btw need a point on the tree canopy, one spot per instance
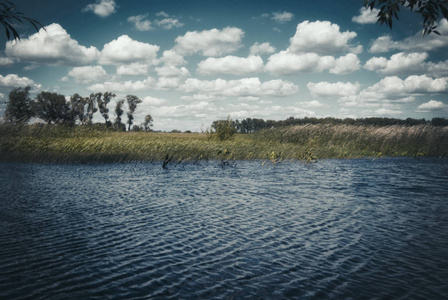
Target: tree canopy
(430, 11)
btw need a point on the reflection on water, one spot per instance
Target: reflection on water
(336, 229)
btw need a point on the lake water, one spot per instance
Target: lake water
(336, 229)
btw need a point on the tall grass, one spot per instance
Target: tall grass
(42, 143)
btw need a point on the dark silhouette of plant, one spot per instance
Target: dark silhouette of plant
(51, 107)
(91, 108)
(9, 15)
(102, 101)
(147, 124)
(18, 106)
(430, 11)
(118, 125)
(132, 101)
(77, 108)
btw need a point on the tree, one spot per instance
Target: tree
(118, 113)
(91, 108)
(18, 106)
(132, 101)
(77, 108)
(102, 101)
(429, 10)
(148, 123)
(9, 14)
(51, 107)
(223, 129)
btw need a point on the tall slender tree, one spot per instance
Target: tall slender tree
(77, 108)
(91, 108)
(102, 101)
(132, 101)
(118, 113)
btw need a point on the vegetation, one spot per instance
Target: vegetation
(430, 11)
(96, 143)
(9, 15)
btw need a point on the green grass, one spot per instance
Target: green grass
(304, 142)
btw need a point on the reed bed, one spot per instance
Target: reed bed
(85, 144)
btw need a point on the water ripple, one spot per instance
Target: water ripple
(336, 229)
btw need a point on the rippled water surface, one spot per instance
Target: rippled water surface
(337, 229)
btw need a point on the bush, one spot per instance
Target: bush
(223, 129)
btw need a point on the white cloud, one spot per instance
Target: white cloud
(311, 104)
(413, 43)
(337, 89)
(346, 64)
(172, 71)
(152, 101)
(6, 61)
(52, 46)
(212, 42)
(366, 16)
(264, 48)
(431, 106)
(87, 74)
(388, 112)
(133, 69)
(282, 17)
(102, 8)
(127, 86)
(126, 50)
(169, 23)
(13, 80)
(400, 63)
(172, 58)
(240, 88)
(321, 37)
(140, 22)
(231, 65)
(286, 63)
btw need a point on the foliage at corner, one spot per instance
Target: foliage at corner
(430, 11)
(223, 129)
(9, 15)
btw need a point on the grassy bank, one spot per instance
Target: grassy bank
(305, 142)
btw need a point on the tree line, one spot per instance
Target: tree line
(250, 125)
(54, 108)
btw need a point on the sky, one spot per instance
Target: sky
(193, 61)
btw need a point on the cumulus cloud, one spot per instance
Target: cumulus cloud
(282, 17)
(172, 58)
(322, 37)
(6, 61)
(431, 106)
(212, 42)
(394, 89)
(126, 86)
(13, 80)
(264, 48)
(140, 22)
(366, 16)
(172, 71)
(400, 63)
(169, 23)
(126, 50)
(153, 101)
(286, 63)
(240, 88)
(312, 104)
(346, 64)
(413, 43)
(337, 89)
(87, 74)
(133, 69)
(52, 46)
(102, 8)
(231, 65)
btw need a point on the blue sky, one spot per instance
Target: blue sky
(193, 62)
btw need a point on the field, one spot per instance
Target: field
(84, 144)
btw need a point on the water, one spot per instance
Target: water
(338, 229)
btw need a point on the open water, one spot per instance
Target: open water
(336, 229)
